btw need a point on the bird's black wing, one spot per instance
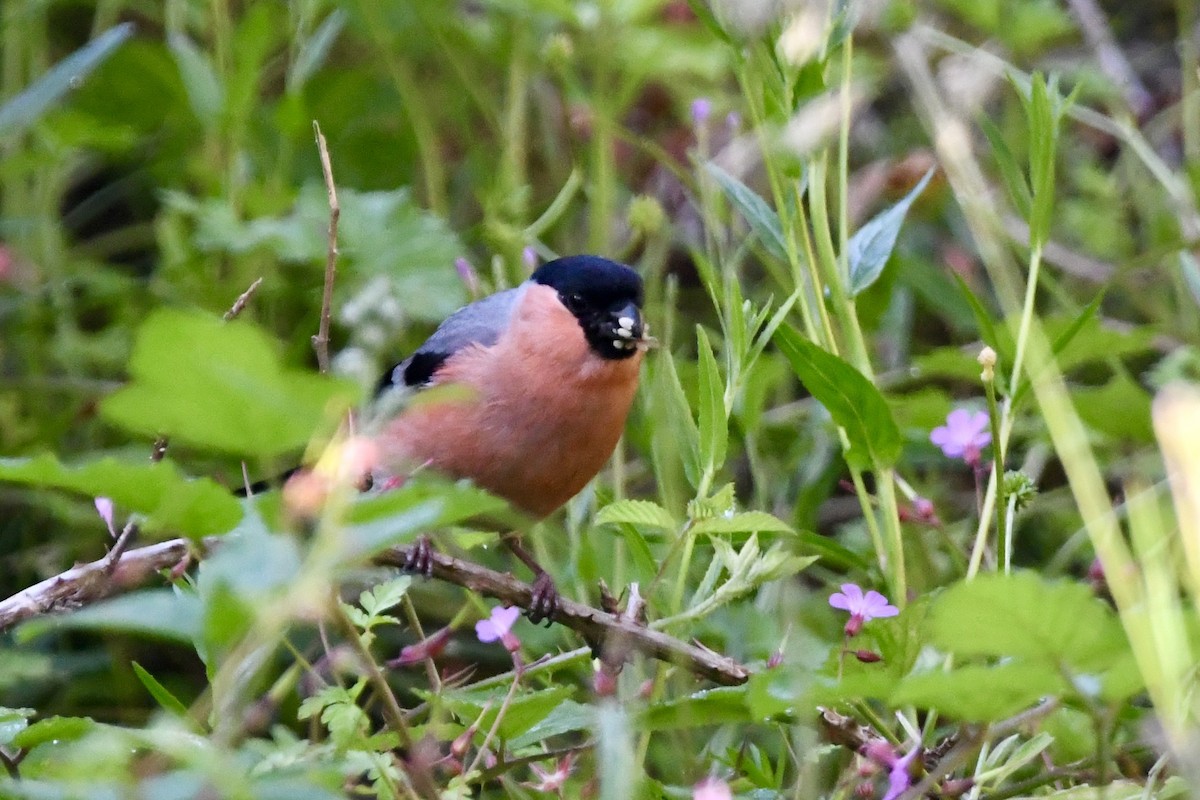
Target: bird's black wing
(481, 323)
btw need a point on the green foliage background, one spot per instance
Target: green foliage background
(821, 275)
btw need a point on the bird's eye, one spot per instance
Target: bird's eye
(574, 301)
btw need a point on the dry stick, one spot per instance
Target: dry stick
(88, 583)
(159, 450)
(321, 340)
(598, 627)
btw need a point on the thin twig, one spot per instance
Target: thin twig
(602, 630)
(244, 298)
(611, 634)
(321, 340)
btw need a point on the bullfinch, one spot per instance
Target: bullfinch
(534, 385)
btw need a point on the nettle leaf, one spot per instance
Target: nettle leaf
(726, 704)
(762, 218)
(1024, 616)
(852, 400)
(168, 500)
(980, 694)
(745, 522)
(567, 717)
(23, 110)
(637, 512)
(868, 250)
(220, 385)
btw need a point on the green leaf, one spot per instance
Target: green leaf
(204, 90)
(23, 110)
(637, 512)
(744, 522)
(987, 329)
(161, 694)
(164, 613)
(1119, 408)
(868, 250)
(852, 400)
(53, 729)
(980, 694)
(1024, 616)
(12, 722)
(220, 385)
(1014, 179)
(683, 426)
(832, 552)
(762, 218)
(168, 500)
(525, 710)
(567, 717)
(726, 704)
(713, 428)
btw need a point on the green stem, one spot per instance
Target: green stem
(998, 451)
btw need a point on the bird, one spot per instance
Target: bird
(534, 386)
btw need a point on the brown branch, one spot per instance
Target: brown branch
(615, 635)
(244, 298)
(599, 628)
(89, 583)
(321, 340)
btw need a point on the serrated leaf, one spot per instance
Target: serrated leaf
(205, 93)
(53, 729)
(23, 110)
(168, 500)
(1025, 616)
(852, 400)
(762, 218)
(869, 249)
(745, 522)
(161, 694)
(713, 425)
(567, 717)
(980, 694)
(637, 512)
(220, 385)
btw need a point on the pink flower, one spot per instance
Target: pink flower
(701, 109)
(964, 435)
(529, 256)
(468, 276)
(104, 507)
(429, 647)
(552, 780)
(712, 788)
(498, 627)
(900, 775)
(862, 608)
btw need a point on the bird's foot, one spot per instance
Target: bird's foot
(419, 559)
(543, 603)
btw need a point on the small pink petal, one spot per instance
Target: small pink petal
(712, 789)
(104, 507)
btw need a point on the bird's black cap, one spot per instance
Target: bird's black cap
(598, 282)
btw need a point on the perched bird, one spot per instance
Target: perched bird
(539, 381)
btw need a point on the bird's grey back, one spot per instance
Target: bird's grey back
(480, 322)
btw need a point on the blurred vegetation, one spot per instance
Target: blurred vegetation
(835, 205)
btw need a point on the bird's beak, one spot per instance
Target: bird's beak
(627, 323)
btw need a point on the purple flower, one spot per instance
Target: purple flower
(467, 274)
(104, 507)
(862, 608)
(900, 775)
(498, 627)
(701, 109)
(733, 121)
(964, 435)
